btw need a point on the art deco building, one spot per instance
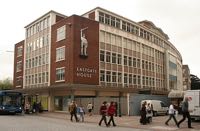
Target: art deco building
(97, 56)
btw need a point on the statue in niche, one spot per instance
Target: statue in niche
(84, 45)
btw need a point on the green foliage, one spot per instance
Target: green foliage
(6, 84)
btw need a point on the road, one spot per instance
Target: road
(39, 123)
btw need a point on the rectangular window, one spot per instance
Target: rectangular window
(125, 60)
(60, 74)
(114, 58)
(40, 78)
(47, 76)
(125, 78)
(114, 77)
(139, 80)
(61, 33)
(108, 76)
(118, 23)
(19, 66)
(102, 75)
(119, 59)
(107, 19)
(134, 79)
(19, 51)
(36, 78)
(129, 61)
(124, 25)
(60, 53)
(101, 17)
(130, 79)
(107, 56)
(138, 63)
(112, 21)
(119, 77)
(102, 55)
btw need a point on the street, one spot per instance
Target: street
(39, 123)
(51, 121)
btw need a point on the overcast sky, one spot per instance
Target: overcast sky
(179, 19)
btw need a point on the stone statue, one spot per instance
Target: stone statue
(84, 45)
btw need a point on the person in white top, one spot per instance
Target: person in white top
(172, 112)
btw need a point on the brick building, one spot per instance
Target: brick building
(94, 57)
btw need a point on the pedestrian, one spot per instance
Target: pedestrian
(186, 113)
(111, 113)
(172, 113)
(27, 108)
(73, 110)
(90, 108)
(81, 113)
(149, 113)
(143, 113)
(103, 112)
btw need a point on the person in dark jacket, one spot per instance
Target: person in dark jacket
(103, 112)
(185, 113)
(111, 113)
(143, 113)
(73, 110)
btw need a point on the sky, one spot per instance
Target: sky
(179, 19)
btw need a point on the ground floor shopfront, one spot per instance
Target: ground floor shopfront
(58, 98)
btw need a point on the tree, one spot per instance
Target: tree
(6, 84)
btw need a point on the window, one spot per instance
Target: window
(129, 61)
(47, 76)
(108, 76)
(119, 77)
(101, 17)
(107, 19)
(134, 62)
(60, 74)
(19, 66)
(125, 60)
(114, 57)
(125, 78)
(119, 59)
(19, 51)
(134, 79)
(102, 55)
(107, 56)
(114, 77)
(130, 79)
(113, 21)
(124, 25)
(102, 75)
(60, 53)
(118, 23)
(61, 33)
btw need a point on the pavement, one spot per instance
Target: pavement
(158, 123)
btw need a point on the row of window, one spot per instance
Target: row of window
(115, 58)
(19, 51)
(39, 78)
(126, 26)
(113, 39)
(39, 26)
(131, 79)
(37, 61)
(38, 43)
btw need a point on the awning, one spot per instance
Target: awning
(176, 94)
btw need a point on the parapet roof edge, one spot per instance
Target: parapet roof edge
(51, 11)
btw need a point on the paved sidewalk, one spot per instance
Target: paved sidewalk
(131, 121)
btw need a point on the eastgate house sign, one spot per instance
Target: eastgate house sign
(85, 72)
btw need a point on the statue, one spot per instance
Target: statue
(84, 45)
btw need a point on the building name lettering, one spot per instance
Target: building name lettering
(85, 72)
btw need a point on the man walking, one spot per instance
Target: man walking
(103, 112)
(186, 113)
(171, 115)
(73, 110)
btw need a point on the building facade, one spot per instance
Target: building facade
(94, 57)
(186, 78)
